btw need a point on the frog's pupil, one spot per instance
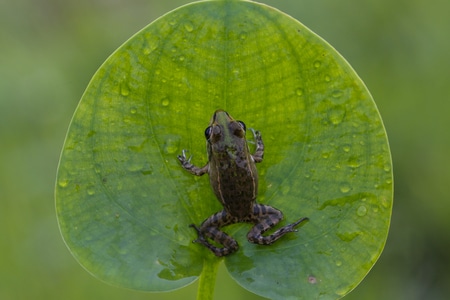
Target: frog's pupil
(208, 132)
(243, 125)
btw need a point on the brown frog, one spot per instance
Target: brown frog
(234, 180)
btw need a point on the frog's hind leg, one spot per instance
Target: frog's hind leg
(210, 229)
(266, 217)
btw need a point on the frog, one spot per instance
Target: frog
(234, 180)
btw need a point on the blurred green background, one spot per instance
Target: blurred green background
(51, 48)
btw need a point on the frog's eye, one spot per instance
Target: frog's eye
(208, 131)
(242, 125)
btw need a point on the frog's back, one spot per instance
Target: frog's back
(235, 183)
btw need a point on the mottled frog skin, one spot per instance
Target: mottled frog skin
(234, 180)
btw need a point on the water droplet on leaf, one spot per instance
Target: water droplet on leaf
(362, 211)
(63, 183)
(124, 89)
(353, 162)
(189, 27)
(345, 189)
(336, 114)
(90, 190)
(165, 102)
(171, 145)
(285, 189)
(337, 94)
(134, 166)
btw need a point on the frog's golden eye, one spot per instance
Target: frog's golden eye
(208, 131)
(242, 125)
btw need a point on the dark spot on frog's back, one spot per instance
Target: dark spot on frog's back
(224, 165)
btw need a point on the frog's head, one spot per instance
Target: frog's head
(224, 132)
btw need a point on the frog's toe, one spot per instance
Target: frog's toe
(291, 227)
(196, 229)
(300, 221)
(200, 238)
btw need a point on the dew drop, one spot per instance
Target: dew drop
(338, 263)
(165, 102)
(285, 190)
(346, 148)
(299, 92)
(348, 236)
(172, 22)
(127, 119)
(362, 211)
(147, 172)
(345, 189)
(336, 115)
(243, 36)
(353, 162)
(326, 154)
(171, 146)
(317, 64)
(327, 78)
(63, 183)
(134, 166)
(90, 191)
(337, 94)
(133, 110)
(124, 89)
(181, 58)
(188, 26)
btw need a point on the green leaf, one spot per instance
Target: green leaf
(124, 203)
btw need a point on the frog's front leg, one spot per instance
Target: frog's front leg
(266, 217)
(259, 151)
(186, 164)
(210, 229)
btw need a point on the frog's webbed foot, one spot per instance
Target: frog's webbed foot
(210, 229)
(268, 217)
(201, 239)
(186, 164)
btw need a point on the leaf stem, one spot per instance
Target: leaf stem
(207, 280)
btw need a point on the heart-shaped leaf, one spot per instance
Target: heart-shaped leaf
(124, 203)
